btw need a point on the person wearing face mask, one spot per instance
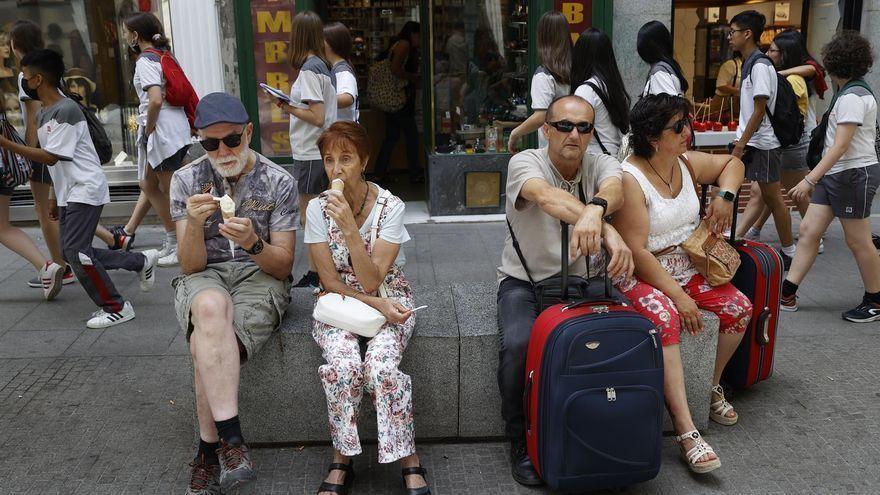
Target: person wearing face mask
(557, 182)
(163, 130)
(236, 277)
(80, 190)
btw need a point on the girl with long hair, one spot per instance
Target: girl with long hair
(163, 130)
(552, 78)
(596, 78)
(312, 109)
(654, 44)
(337, 49)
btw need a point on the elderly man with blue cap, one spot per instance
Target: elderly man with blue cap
(230, 261)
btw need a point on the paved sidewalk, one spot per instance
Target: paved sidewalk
(111, 411)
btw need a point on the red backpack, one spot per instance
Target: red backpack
(178, 90)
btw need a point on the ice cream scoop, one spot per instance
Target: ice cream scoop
(337, 185)
(227, 207)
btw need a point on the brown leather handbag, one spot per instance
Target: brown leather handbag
(715, 259)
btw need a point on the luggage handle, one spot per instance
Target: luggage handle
(564, 259)
(763, 324)
(704, 192)
(527, 400)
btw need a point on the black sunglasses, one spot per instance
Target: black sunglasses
(678, 127)
(566, 127)
(213, 144)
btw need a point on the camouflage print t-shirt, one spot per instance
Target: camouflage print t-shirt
(267, 195)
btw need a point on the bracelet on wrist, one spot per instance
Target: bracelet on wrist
(810, 181)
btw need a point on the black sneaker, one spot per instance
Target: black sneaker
(121, 239)
(521, 466)
(786, 261)
(876, 240)
(204, 478)
(863, 313)
(236, 469)
(310, 280)
(788, 303)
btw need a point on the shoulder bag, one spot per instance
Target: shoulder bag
(385, 91)
(349, 313)
(15, 170)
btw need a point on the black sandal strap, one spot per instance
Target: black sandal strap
(333, 488)
(414, 470)
(341, 467)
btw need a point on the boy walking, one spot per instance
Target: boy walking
(756, 144)
(80, 189)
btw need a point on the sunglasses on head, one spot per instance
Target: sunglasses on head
(213, 144)
(679, 126)
(566, 127)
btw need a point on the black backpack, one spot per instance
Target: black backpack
(817, 139)
(786, 118)
(96, 130)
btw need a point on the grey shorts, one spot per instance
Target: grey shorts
(310, 176)
(795, 157)
(762, 165)
(849, 193)
(259, 300)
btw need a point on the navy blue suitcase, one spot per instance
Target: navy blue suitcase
(594, 394)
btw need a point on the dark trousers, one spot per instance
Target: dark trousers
(517, 312)
(90, 264)
(404, 121)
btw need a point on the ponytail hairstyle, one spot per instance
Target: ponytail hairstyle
(554, 45)
(148, 28)
(654, 44)
(593, 56)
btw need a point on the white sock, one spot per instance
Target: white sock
(789, 250)
(753, 232)
(171, 237)
(126, 231)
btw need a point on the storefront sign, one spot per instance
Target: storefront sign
(579, 15)
(271, 28)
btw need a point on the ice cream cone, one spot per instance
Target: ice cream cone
(337, 185)
(227, 207)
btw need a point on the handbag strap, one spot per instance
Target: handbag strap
(382, 201)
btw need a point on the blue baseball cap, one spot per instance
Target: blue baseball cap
(217, 108)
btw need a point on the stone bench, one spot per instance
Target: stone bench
(452, 358)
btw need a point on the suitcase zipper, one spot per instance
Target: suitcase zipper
(611, 394)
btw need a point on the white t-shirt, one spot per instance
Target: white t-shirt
(760, 80)
(605, 129)
(391, 229)
(172, 127)
(315, 83)
(662, 80)
(856, 106)
(77, 175)
(346, 82)
(543, 91)
(538, 233)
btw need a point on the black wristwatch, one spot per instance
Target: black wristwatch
(727, 196)
(599, 202)
(257, 248)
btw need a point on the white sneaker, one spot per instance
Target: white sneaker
(148, 272)
(170, 260)
(103, 319)
(51, 276)
(168, 246)
(752, 236)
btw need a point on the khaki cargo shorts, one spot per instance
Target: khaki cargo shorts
(259, 300)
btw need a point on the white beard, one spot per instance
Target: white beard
(230, 166)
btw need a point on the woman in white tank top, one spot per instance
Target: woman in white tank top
(661, 210)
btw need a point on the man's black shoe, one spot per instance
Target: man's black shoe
(521, 466)
(310, 280)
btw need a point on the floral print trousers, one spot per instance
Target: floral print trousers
(732, 307)
(346, 377)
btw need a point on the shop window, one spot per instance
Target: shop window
(99, 66)
(480, 62)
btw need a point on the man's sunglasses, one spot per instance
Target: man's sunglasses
(679, 126)
(213, 144)
(566, 127)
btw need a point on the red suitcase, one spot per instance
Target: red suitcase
(760, 278)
